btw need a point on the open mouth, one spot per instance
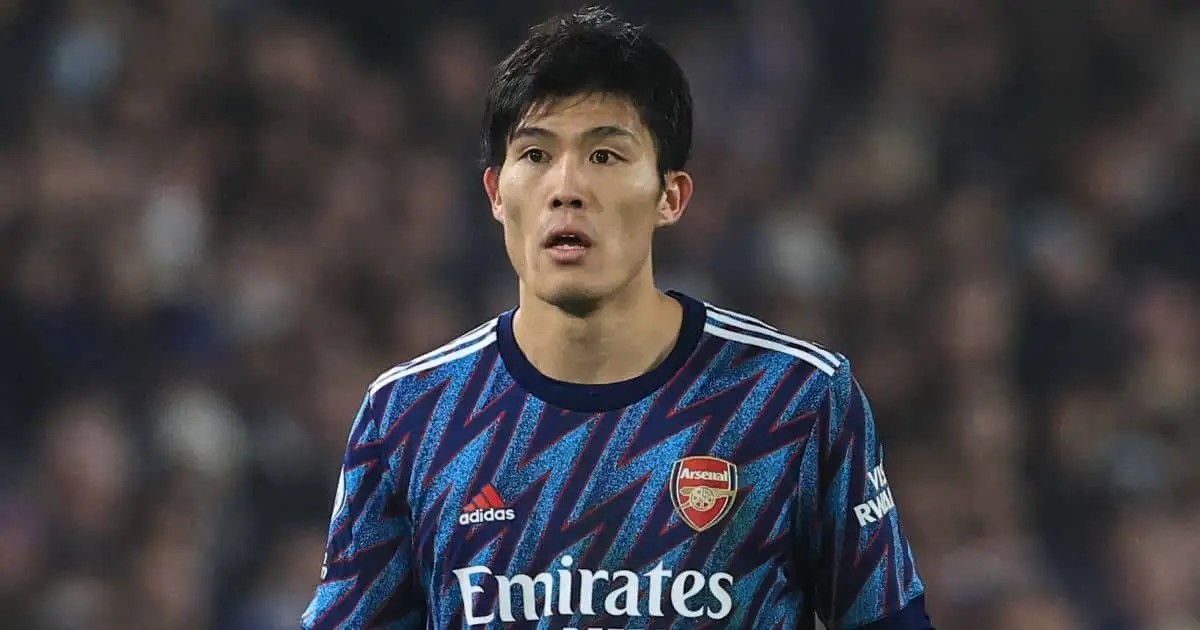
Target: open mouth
(567, 246)
(567, 240)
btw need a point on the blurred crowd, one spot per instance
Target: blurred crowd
(220, 219)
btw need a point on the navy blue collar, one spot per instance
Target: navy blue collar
(609, 396)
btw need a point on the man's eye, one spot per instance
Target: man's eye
(603, 156)
(537, 156)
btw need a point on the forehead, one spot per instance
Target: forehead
(574, 115)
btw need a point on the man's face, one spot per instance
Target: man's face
(579, 196)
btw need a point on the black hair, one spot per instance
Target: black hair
(591, 51)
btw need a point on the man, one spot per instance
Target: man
(608, 455)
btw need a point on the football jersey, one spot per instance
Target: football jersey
(738, 484)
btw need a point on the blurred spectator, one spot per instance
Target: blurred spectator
(221, 219)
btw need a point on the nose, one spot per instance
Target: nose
(574, 202)
(568, 186)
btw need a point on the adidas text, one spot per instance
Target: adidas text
(487, 516)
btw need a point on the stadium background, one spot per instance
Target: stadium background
(220, 219)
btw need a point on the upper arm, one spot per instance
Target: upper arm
(367, 577)
(863, 569)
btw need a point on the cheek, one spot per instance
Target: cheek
(519, 229)
(641, 212)
(514, 233)
(514, 190)
(511, 210)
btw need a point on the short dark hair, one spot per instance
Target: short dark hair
(591, 51)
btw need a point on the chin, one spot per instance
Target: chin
(575, 297)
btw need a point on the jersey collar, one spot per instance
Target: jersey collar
(609, 396)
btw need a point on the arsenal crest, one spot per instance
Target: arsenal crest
(703, 489)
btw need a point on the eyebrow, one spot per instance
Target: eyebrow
(595, 133)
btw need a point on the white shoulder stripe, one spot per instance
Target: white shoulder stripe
(813, 360)
(766, 331)
(739, 316)
(469, 338)
(414, 368)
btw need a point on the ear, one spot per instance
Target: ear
(491, 184)
(676, 194)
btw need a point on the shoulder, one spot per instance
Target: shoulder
(747, 330)
(465, 347)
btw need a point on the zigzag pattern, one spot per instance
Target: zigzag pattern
(877, 558)
(595, 486)
(363, 549)
(544, 462)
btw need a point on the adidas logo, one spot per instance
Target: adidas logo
(486, 507)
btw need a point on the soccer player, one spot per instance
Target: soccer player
(609, 455)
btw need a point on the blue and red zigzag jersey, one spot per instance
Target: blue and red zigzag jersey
(737, 485)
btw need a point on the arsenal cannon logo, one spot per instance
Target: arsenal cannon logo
(703, 489)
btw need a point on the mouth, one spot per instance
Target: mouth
(567, 240)
(567, 246)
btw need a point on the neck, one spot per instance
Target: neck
(624, 337)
